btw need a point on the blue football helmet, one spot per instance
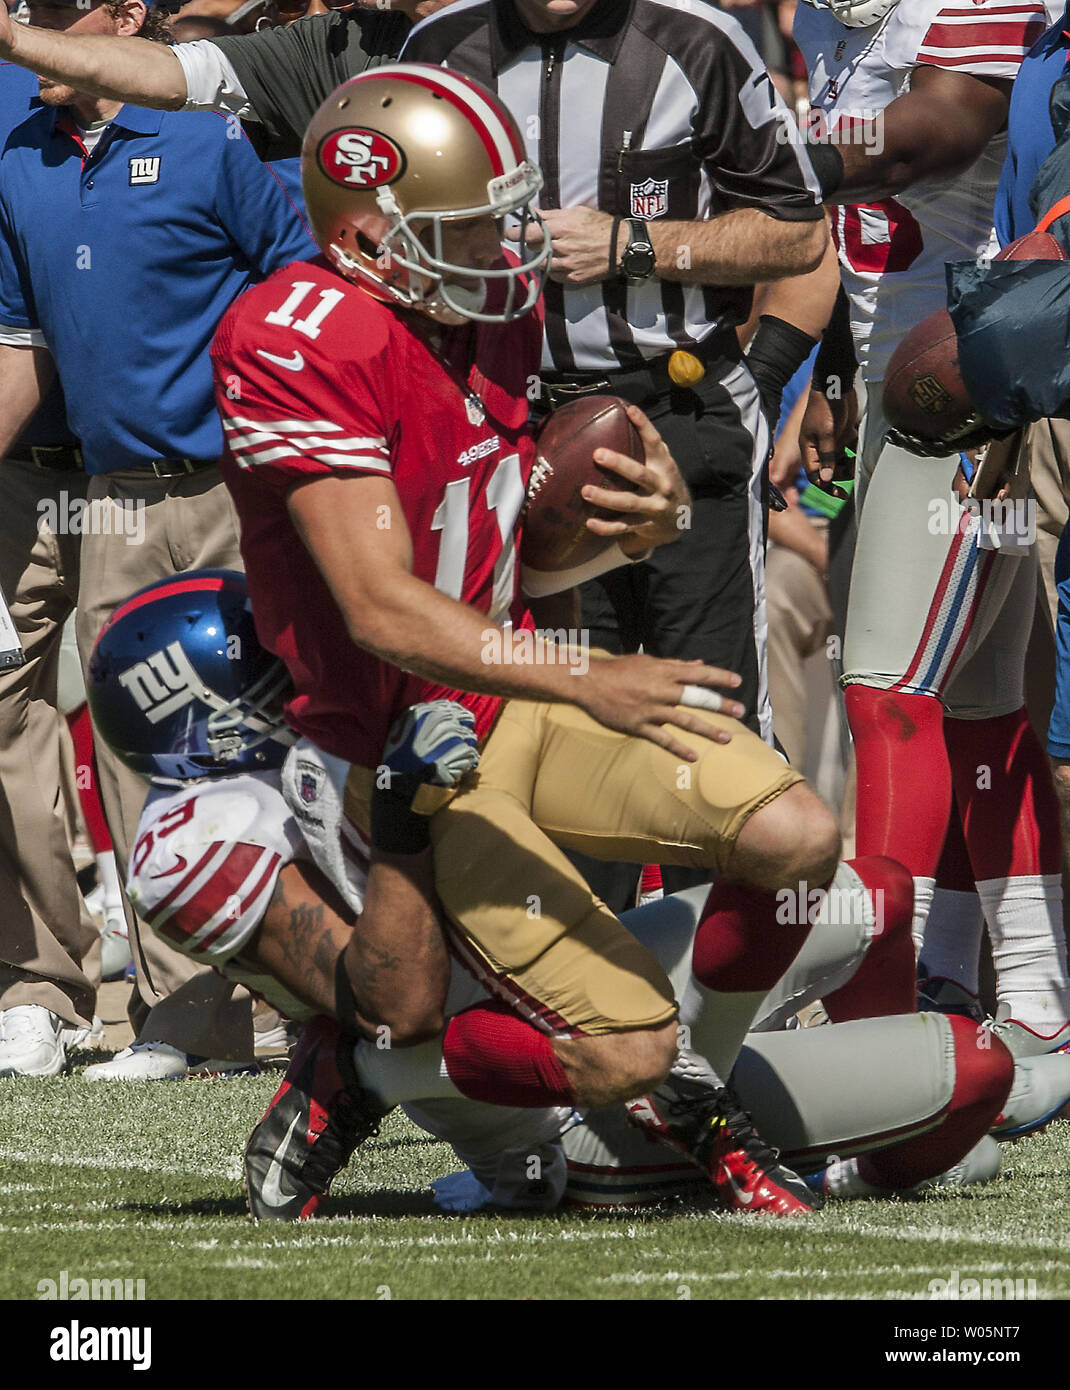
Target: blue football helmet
(179, 686)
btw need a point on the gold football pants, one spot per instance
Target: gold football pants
(550, 777)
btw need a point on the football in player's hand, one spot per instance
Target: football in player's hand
(555, 535)
(924, 393)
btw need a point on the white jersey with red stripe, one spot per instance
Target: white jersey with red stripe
(206, 860)
(892, 252)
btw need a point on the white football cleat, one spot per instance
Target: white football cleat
(1040, 1089)
(1022, 1041)
(31, 1041)
(142, 1061)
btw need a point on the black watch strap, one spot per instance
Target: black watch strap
(614, 259)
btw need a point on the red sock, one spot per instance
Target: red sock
(983, 1077)
(494, 1056)
(741, 944)
(955, 872)
(1011, 820)
(904, 780)
(884, 982)
(81, 728)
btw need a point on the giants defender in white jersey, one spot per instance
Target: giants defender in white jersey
(206, 866)
(892, 250)
(952, 780)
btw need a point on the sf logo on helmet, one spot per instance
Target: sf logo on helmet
(360, 158)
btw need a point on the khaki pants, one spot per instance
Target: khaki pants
(145, 528)
(48, 951)
(1047, 455)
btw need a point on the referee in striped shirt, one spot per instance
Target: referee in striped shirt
(674, 180)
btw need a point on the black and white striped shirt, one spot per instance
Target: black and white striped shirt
(647, 108)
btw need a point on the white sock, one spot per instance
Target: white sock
(110, 881)
(923, 897)
(1025, 926)
(951, 943)
(399, 1074)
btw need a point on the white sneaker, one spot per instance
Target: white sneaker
(31, 1041)
(144, 1061)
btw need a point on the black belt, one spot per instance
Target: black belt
(174, 468)
(67, 458)
(64, 458)
(636, 384)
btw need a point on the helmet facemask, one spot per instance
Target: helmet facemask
(412, 269)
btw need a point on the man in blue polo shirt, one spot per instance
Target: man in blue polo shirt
(1038, 108)
(45, 929)
(124, 235)
(1030, 137)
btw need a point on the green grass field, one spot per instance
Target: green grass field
(143, 1182)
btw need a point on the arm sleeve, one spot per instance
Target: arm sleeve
(286, 74)
(254, 207)
(750, 146)
(988, 41)
(211, 82)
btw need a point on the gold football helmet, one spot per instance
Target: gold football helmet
(396, 154)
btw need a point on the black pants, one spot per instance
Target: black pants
(698, 597)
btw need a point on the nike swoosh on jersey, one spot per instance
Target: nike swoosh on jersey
(182, 864)
(272, 1191)
(292, 364)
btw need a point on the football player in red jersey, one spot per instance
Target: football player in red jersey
(375, 407)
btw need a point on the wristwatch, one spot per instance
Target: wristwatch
(637, 260)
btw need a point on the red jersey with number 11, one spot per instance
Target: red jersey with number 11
(315, 377)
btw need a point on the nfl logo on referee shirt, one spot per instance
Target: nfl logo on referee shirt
(144, 169)
(650, 198)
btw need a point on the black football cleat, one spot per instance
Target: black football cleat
(708, 1125)
(316, 1119)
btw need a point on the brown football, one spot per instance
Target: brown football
(555, 535)
(923, 390)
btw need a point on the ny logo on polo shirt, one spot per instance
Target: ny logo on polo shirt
(144, 169)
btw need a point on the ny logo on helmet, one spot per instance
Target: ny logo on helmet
(163, 683)
(365, 158)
